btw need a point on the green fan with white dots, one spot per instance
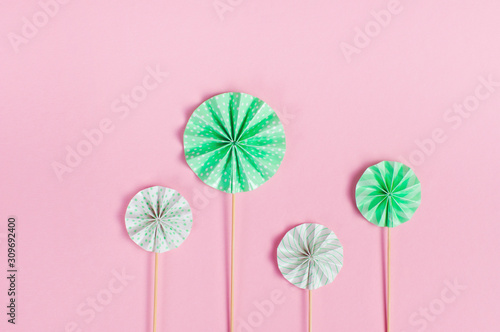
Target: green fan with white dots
(387, 195)
(310, 256)
(158, 219)
(234, 142)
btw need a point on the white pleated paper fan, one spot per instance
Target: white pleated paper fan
(310, 256)
(158, 219)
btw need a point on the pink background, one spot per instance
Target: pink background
(340, 116)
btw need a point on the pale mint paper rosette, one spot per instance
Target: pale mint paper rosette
(158, 219)
(310, 256)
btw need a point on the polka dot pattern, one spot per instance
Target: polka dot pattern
(158, 219)
(234, 142)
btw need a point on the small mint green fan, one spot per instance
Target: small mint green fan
(387, 195)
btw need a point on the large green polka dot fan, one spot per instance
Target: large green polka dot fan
(310, 256)
(158, 219)
(387, 195)
(234, 142)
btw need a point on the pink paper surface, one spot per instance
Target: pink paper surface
(413, 88)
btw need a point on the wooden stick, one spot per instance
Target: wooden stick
(310, 311)
(232, 266)
(388, 278)
(156, 281)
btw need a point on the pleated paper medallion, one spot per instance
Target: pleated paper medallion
(387, 195)
(158, 219)
(234, 142)
(310, 256)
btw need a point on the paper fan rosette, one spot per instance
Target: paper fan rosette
(234, 142)
(158, 219)
(310, 256)
(387, 195)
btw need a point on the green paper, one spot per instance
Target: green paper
(388, 194)
(158, 219)
(234, 142)
(310, 256)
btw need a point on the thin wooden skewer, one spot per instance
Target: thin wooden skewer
(310, 311)
(232, 266)
(388, 277)
(156, 280)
